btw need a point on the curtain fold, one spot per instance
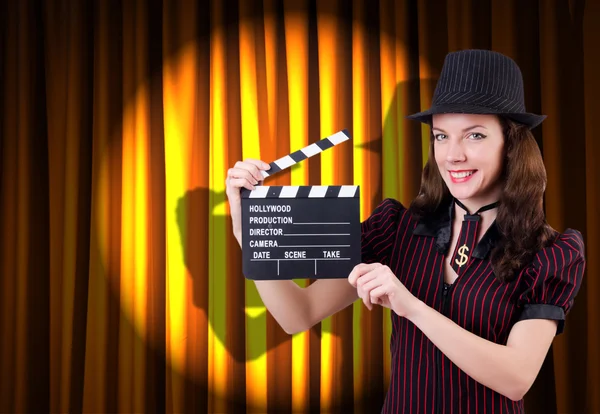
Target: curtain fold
(121, 286)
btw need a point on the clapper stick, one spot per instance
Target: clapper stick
(306, 152)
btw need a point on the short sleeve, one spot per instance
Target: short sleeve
(379, 230)
(555, 279)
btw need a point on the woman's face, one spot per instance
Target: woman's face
(469, 152)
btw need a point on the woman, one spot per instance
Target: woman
(478, 282)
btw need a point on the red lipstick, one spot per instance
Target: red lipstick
(461, 178)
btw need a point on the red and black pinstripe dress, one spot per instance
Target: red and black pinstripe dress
(423, 380)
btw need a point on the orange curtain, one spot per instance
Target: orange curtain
(121, 286)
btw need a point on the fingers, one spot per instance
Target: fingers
(376, 293)
(240, 177)
(253, 166)
(243, 169)
(246, 174)
(241, 182)
(360, 270)
(261, 165)
(364, 278)
(367, 284)
(372, 283)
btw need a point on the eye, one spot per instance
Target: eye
(477, 136)
(440, 137)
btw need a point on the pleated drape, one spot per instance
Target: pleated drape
(121, 287)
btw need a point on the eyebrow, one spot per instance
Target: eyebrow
(464, 130)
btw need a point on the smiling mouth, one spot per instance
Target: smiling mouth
(461, 174)
(458, 177)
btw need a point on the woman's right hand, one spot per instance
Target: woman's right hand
(243, 174)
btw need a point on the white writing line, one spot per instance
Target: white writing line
(318, 245)
(315, 234)
(321, 223)
(267, 260)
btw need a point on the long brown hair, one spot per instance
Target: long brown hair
(521, 219)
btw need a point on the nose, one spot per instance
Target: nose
(455, 152)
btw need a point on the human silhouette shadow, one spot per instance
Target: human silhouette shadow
(193, 215)
(194, 212)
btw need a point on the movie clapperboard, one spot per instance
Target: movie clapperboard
(298, 232)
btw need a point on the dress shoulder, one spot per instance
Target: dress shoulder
(379, 230)
(554, 279)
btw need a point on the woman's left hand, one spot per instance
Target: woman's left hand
(377, 284)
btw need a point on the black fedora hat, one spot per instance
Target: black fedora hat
(480, 82)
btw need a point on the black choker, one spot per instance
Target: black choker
(481, 210)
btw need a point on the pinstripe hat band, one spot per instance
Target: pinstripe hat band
(480, 82)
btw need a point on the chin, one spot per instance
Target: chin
(462, 194)
(472, 190)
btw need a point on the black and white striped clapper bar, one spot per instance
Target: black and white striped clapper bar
(296, 232)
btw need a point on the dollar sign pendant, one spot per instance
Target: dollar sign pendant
(463, 256)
